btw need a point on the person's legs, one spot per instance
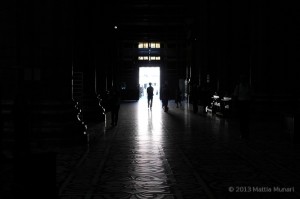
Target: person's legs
(151, 100)
(116, 117)
(243, 113)
(112, 116)
(165, 105)
(246, 119)
(195, 106)
(148, 101)
(166, 108)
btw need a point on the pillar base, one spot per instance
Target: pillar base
(92, 111)
(57, 121)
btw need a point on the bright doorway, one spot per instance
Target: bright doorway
(146, 75)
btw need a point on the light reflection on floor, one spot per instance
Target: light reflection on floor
(150, 121)
(149, 136)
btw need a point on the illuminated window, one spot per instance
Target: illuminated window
(152, 45)
(149, 58)
(143, 45)
(143, 58)
(147, 45)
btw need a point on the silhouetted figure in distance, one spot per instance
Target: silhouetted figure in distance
(115, 100)
(21, 119)
(206, 93)
(2, 156)
(150, 95)
(165, 95)
(178, 97)
(242, 96)
(194, 97)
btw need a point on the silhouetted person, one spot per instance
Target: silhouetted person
(178, 97)
(242, 95)
(141, 91)
(1, 126)
(206, 93)
(165, 96)
(21, 120)
(194, 98)
(21, 149)
(115, 100)
(150, 95)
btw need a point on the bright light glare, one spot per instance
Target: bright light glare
(150, 74)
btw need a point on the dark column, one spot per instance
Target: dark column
(85, 59)
(45, 65)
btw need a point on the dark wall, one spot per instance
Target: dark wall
(257, 38)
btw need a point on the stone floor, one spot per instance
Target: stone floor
(179, 154)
